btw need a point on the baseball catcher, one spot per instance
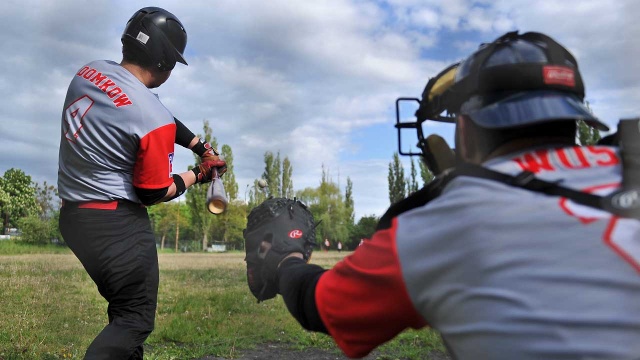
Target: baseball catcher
(526, 246)
(276, 229)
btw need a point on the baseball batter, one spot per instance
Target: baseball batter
(502, 269)
(116, 154)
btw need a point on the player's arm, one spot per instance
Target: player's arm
(181, 182)
(361, 302)
(187, 139)
(297, 282)
(200, 174)
(152, 180)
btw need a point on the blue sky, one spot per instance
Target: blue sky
(314, 80)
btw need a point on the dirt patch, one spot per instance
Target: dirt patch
(277, 351)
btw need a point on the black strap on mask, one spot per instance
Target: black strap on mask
(624, 202)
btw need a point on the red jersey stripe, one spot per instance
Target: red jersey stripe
(155, 155)
(363, 301)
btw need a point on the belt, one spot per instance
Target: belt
(99, 204)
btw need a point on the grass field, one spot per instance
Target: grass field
(50, 309)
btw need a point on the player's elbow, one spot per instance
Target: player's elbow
(149, 197)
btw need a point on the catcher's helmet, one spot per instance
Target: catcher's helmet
(515, 80)
(158, 34)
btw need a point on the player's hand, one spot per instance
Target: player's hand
(211, 154)
(207, 170)
(437, 154)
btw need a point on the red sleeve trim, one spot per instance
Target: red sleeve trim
(154, 161)
(363, 301)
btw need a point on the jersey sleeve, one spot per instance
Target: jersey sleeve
(363, 301)
(154, 160)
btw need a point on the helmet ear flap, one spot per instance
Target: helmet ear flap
(164, 55)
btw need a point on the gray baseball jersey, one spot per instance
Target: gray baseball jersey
(116, 134)
(500, 272)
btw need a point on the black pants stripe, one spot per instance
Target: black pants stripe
(117, 248)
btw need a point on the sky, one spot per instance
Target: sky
(315, 81)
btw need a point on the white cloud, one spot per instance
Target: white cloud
(297, 77)
(426, 17)
(479, 19)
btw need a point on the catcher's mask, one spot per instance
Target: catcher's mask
(159, 35)
(517, 80)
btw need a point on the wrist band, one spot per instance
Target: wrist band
(196, 172)
(200, 148)
(180, 186)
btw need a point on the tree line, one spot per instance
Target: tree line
(186, 224)
(401, 186)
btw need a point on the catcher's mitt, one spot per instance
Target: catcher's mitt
(275, 229)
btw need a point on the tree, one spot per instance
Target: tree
(397, 183)
(233, 222)
(425, 173)
(277, 172)
(201, 217)
(169, 218)
(5, 203)
(42, 228)
(256, 195)
(287, 178)
(348, 202)
(349, 206)
(364, 229)
(197, 195)
(203, 221)
(412, 181)
(309, 196)
(272, 173)
(18, 197)
(587, 135)
(47, 199)
(328, 208)
(229, 178)
(225, 226)
(278, 176)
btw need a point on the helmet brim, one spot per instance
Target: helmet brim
(524, 108)
(180, 58)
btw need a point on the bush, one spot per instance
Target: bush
(35, 230)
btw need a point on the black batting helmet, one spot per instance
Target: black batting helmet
(159, 35)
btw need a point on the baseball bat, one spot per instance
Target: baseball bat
(216, 196)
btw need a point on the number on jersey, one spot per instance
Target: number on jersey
(73, 116)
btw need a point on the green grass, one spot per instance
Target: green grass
(52, 310)
(16, 247)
